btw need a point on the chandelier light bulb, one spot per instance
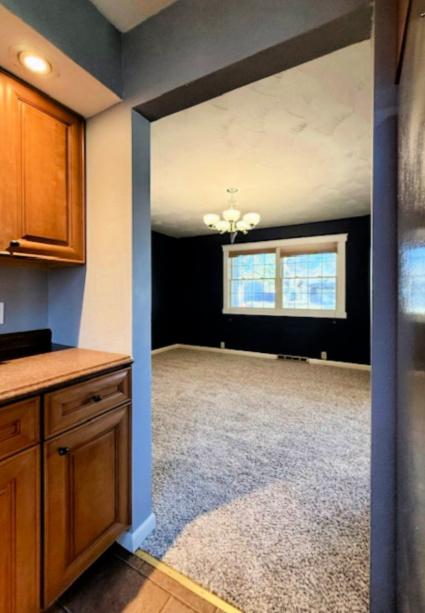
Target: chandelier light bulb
(251, 219)
(222, 226)
(242, 226)
(211, 219)
(231, 214)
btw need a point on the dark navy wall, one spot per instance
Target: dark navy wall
(200, 299)
(164, 290)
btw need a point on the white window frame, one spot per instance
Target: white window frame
(339, 240)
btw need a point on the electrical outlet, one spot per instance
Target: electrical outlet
(324, 355)
(1, 313)
(222, 345)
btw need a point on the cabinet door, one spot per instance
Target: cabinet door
(43, 192)
(20, 533)
(86, 496)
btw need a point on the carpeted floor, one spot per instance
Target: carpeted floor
(261, 480)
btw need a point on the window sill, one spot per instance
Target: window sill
(286, 313)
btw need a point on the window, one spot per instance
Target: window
(297, 277)
(309, 281)
(253, 281)
(413, 290)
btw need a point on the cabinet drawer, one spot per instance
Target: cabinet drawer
(19, 426)
(77, 403)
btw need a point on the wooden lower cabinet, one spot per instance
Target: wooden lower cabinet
(86, 497)
(20, 532)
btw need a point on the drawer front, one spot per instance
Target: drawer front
(75, 404)
(19, 426)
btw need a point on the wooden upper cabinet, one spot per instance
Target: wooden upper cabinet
(42, 175)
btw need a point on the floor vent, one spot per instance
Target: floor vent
(293, 358)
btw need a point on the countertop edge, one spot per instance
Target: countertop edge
(45, 385)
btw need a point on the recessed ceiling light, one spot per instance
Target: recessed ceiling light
(34, 62)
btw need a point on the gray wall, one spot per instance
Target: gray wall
(24, 290)
(65, 307)
(80, 31)
(202, 36)
(384, 300)
(205, 36)
(141, 271)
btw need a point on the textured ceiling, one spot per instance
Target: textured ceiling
(125, 14)
(297, 145)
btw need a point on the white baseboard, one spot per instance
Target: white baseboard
(257, 354)
(339, 364)
(166, 348)
(132, 539)
(252, 354)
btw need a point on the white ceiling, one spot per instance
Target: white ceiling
(125, 14)
(68, 83)
(297, 145)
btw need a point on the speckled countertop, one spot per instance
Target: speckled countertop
(38, 372)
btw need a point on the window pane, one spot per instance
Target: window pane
(253, 281)
(329, 264)
(288, 267)
(255, 266)
(328, 300)
(309, 281)
(413, 291)
(315, 265)
(258, 294)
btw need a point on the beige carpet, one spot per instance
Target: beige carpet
(261, 480)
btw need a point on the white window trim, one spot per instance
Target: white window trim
(339, 313)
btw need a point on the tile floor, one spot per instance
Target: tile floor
(120, 582)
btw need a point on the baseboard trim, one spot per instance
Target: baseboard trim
(132, 539)
(166, 348)
(353, 365)
(252, 354)
(258, 354)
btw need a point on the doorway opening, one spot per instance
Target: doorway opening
(262, 464)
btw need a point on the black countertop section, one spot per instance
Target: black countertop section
(22, 344)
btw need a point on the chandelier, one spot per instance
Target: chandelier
(231, 221)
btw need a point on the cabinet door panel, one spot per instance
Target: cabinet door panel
(19, 426)
(44, 183)
(9, 172)
(86, 496)
(93, 469)
(44, 175)
(20, 533)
